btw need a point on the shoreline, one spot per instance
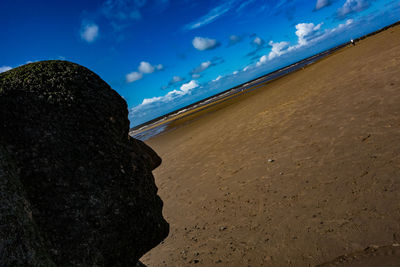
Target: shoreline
(139, 131)
(226, 95)
(295, 173)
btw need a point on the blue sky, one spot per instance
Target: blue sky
(161, 55)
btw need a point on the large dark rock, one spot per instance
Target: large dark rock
(75, 189)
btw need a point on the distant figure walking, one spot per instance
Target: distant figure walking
(352, 42)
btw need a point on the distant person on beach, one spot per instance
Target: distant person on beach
(352, 42)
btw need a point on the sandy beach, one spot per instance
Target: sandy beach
(297, 173)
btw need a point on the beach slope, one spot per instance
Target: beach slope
(298, 172)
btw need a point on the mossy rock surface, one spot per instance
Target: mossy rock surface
(76, 190)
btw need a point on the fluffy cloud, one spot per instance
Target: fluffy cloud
(318, 35)
(89, 32)
(307, 33)
(187, 87)
(195, 76)
(144, 68)
(201, 43)
(262, 60)
(151, 100)
(321, 4)
(170, 100)
(305, 30)
(133, 76)
(202, 67)
(352, 6)
(277, 49)
(5, 68)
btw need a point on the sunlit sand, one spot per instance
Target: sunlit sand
(298, 172)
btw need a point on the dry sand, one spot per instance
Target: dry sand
(332, 131)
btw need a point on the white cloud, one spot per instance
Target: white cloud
(217, 79)
(307, 33)
(195, 76)
(133, 76)
(304, 30)
(146, 67)
(211, 16)
(235, 72)
(171, 100)
(321, 4)
(151, 100)
(343, 25)
(348, 22)
(277, 49)
(187, 87)
(352, 6)
(258, 41)
(201, 43)
(262, 60)
(5, 68)
(89, 32)
(318, 35)
(203, 66)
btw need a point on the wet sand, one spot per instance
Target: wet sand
(298, 172)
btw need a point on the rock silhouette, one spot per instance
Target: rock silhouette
(75, 189)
